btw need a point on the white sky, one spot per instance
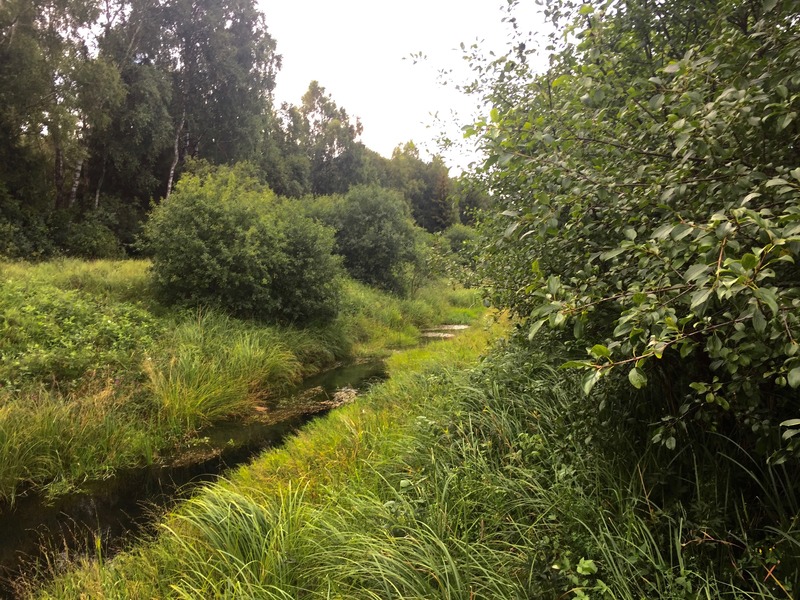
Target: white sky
(356, 50)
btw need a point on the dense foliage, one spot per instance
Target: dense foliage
(104, 103)
(374, 234)
(651, 190)
(222, 239)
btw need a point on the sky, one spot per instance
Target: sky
(360, 52)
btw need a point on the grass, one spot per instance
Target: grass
(217, 368)
(261, 523)
(111, 280)
(95, 375)
(443, 483)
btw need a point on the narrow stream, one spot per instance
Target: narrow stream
(107, 513)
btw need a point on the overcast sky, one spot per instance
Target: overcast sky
(359, 51)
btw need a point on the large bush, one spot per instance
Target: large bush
(374, 234)
(651, 187)
(223, 239)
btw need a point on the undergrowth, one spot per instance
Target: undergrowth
(504, 482)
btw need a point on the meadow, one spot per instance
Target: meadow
(97, 375)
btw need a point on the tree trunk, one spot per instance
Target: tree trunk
(176, 155)
(58, 176)
(76, 180)
(99, 185)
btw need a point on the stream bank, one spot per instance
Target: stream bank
(104, 515)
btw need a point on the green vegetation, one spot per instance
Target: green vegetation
(650, 184)
(374, 234)
(645, 230)
(223, 240)
(495, 482)
(637, 216)
(104, 105)
(97, 375)
(282, 530)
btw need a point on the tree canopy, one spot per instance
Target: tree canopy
(102, 104)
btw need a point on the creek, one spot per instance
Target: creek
(106, 515)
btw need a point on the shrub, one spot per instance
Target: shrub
(91, 238)
(374, 234)
(23, 233)
(460, 237)
(223, 239)
(640, 216)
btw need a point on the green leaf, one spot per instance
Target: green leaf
(672, 68)
(600, 351)
(700, 297)
(751, 196)
(670, 443)
(537, 325)
(586, 567)
(681, 231)
(680, 140)
(578, 328)
(695, 272)
(759, 321)
(749, 261)
(611, 253)
(589, 380)
(576, 364)
(553, 284)
(768, 297)
(637, 378)
(776, 181)
(786, 120)
(656, 101)
(663, 232)
(794, 377)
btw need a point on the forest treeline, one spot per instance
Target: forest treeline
(102, 104)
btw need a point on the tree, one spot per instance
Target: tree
(102, 101)
(331, 139)
(224, 75)
(426, 186)
(650, 186)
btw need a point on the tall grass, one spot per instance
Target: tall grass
(73, 332)
(63, 439)
(442, 485)
(258, 535)
(377, 321)
(214, 367)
